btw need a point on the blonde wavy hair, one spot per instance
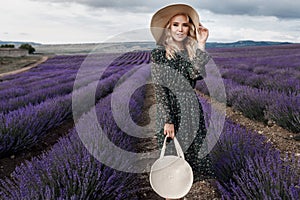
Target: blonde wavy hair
(189, 43)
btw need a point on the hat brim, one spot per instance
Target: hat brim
(161, 18)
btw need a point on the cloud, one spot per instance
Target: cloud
(277, 8)
(49, 21)
(128, 5)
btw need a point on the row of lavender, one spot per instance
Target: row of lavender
(262, 82)
(279, 71)
(248, 167)
(41, 98)
(269, 68)
(68, 171)
(55, 77)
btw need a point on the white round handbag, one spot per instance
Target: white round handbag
(171, 176)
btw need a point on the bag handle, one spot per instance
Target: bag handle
(177, 147)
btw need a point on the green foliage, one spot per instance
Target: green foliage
(28, 47)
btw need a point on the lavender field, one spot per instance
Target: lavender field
(261, 82)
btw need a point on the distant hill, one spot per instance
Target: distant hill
(244, 43)
(16, 43)
(241, 43)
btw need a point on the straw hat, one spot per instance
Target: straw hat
(161, 18)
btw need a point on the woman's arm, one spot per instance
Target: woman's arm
(163, 99)
(161, 93)
(196, 70)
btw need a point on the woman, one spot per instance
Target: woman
(179, 58)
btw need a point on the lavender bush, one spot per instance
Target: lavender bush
(285, 111)
(266, 177)
(58, 82)
(261, 82)
(22, 128)
(68, 171)
(248, 167)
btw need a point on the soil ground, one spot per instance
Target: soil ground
(9, 66)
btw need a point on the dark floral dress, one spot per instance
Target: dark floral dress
(174, 80)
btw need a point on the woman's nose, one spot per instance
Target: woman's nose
(180, 28)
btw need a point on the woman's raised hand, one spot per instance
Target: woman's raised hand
(169, 130)
(202, 35)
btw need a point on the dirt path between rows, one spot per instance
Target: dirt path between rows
(43, 59)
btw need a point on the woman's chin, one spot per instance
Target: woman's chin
(181, 39)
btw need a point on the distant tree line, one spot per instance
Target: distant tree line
(7, 46)
(26, 46)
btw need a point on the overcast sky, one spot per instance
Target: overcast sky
(85, 21)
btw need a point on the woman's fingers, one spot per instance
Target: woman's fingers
(202, 34)
(202, 30)
(169, 130)
(165, 132)
(171, 135)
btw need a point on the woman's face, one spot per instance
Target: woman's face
(179, 26)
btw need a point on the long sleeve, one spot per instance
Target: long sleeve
(161, 93)
(196, 70)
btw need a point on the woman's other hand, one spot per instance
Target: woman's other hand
(169, 130)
